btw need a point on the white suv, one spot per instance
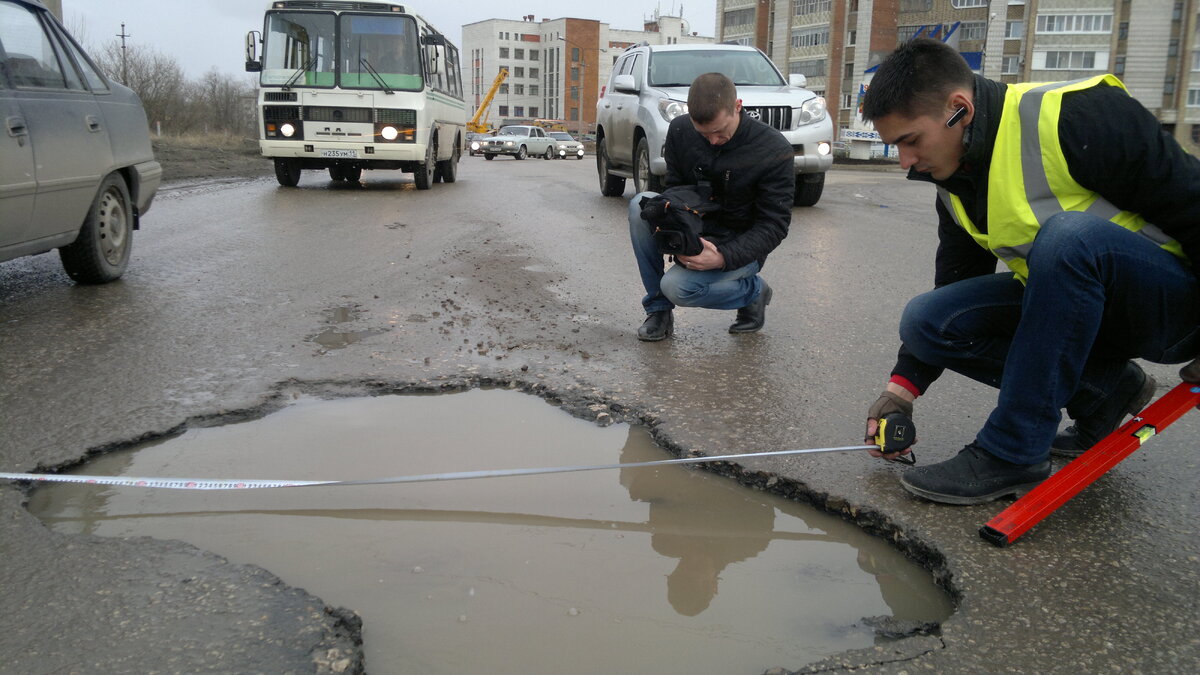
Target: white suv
(649, 87)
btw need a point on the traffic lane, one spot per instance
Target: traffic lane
(527, 266)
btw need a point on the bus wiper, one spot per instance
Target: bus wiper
(287, 86)
(375, 74)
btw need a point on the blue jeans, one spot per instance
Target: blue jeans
(681, 287)
(1097, 296)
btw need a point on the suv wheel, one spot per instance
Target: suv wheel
(809, 187)
(643, 179)
(610, 185)
(101, 251)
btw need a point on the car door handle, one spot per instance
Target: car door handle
(16, 126)
(93, 123)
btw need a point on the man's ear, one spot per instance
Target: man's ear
(964, 100)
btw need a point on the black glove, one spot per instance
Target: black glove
(888, 403)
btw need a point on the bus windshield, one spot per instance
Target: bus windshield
(362, 52)
(745, 68)
(298, 49)
(387, 45)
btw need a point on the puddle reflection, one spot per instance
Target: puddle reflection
(663, 568)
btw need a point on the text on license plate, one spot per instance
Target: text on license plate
(340, 154)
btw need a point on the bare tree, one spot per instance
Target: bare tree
(156, 77)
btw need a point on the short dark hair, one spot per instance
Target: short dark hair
(711, 93)
(916, 79)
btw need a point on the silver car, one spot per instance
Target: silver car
(76, 167)
(567, 146)
(520, 141)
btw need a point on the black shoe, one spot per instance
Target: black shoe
(751, 318)
(974, 476)
(658, 326)
(1133, 391)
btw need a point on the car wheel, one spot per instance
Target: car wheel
(610, 185)
(489, 157)
(449, 168)
(287, 172)
(101, 251)
(522, 153)
(423, 176)
(549, 154)
(352, 173)
(809, 187)
(643, 180)
(336, 173)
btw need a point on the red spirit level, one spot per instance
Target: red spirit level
(1086, 468)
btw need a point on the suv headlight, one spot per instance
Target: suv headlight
(670, 109)
(813, 110)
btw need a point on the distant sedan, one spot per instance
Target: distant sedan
(567, 146)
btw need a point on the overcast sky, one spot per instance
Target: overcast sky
(206, 34)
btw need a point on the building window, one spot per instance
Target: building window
(533, 90)
(1196, 61)
(1169, 86)
(810, 68)
(1193, 99)
(518, 53)
(1195, 127)
(851, 38)
(810, 37)
(1123, 31)
(1063, 60)
(1074, 23)
(964, 4)
(742, 41)
(802, 7)
(574, 114)
(502, 68)
(916, 5)
(533, 111)
(504, 52)
(519, 71)
(1173, 48)
(503, 110)
(504, 88)
(847, 101)
(1119, 65)
(533, 55)
(519, 111)
(906, 33)
(519, 89)
(1014, 30)
(739, 18)
(973, 30)
(574, 54)
(574, 93)
(849, 71)
(533, 72)
(1011, 65)
(574, 73)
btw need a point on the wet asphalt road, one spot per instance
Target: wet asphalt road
(520, 274)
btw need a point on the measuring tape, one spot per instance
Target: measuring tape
(238, 484)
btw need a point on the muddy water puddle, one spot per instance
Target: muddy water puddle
(655, 569)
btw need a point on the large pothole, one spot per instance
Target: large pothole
(656, 569)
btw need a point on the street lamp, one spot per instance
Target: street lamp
(582, 78)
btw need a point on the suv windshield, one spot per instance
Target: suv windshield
(303, 48)
(745, 68)
(560, 136)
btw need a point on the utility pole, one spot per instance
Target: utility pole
(124, 64)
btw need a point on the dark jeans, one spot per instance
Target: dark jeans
(1097, 296)
(678, 286)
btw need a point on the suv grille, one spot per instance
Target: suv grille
(779, 117)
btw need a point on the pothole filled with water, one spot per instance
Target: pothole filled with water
(653, 569)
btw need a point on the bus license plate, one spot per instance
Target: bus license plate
(340, 154)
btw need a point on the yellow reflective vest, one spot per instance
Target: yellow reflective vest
(1028, 180)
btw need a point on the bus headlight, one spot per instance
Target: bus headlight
(389, 133)
(287, 129)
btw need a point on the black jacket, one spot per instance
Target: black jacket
(1112, 145)
(752, 177)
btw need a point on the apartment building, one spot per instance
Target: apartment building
(556, 67)
(1152, 45)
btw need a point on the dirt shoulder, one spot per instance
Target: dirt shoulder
(209, 157)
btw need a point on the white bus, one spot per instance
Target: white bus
(352, 84)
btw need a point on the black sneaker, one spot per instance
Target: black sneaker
(1133, 391)
(973, 476)
(657, 326)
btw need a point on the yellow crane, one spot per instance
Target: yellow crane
(478, 123)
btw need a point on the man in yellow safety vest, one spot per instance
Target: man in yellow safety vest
(1094, 210)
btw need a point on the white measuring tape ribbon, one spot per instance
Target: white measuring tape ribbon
(249, 484)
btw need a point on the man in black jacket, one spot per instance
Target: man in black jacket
(749, 167)
(1094, 209)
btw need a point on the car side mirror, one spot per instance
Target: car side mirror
(253, 65)
(797, 80)
(624, 83)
